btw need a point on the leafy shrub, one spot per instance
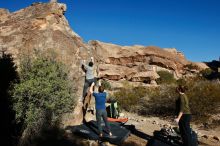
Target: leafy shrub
(181, 81)
(158, 101)
(191, 66)
(204, 99)
(44, 92)
(165, 77)
(161, 101)
(106, 84)
(129, 98)
(210, 74)
(207, 73)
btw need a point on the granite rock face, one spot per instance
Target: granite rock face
(138, 63)
(42, 27)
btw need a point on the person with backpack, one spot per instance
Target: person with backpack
(100, 100)
(183, 115)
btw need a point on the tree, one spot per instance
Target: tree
(43, 94)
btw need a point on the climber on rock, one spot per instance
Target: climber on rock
(90, 77)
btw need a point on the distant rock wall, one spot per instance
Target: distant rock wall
(137, 63)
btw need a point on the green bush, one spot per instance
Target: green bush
(43, 93)
(204, 98)
(106, 84)
(207, 73)
(161, 101)
(129, 98)
(165, 77)
(191, 66)
(210, 74)
(181, 81)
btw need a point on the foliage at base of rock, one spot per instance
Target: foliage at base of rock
(204, 98)
(44, 90)
(165, 77)
(106, 85)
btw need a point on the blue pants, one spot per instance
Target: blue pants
(99, 115)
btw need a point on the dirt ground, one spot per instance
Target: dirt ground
(148, 125)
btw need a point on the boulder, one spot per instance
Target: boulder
(144, 76)
(139, 59)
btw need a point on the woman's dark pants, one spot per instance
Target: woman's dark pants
(185, 131)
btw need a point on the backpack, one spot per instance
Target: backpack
(113, 110)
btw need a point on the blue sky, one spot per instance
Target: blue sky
(191, 26)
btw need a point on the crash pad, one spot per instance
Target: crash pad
(89, 130)
(122, 120)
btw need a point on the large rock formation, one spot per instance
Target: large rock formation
(42, 27)
(137, 63)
